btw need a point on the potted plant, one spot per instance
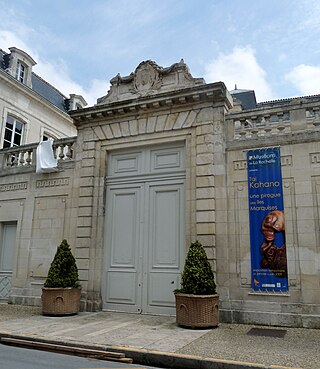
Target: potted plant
(61, 292)
(197, 300)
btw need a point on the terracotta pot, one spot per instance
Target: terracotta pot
(194, 311)
(60, 301)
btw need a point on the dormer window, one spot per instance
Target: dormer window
(76, 102)
(20, 72)
(20, 66)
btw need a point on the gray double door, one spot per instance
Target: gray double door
(144, 232)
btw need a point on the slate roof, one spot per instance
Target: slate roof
(41, 87)
(2, 59)
(286, 101)
(49, 92)
(247, 98)
(248, 101)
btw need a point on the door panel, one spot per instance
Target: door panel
(164, 247)
(164, 226)
(167, 159)
(124, 229)
(123, 235)
(125, 163)
(160, 292)
(121, 287)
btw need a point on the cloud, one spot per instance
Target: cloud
(310, 9)
(9, 39)
(98, 88)
(55, 72)
(139, 13)
(240, 68)
(305, 78)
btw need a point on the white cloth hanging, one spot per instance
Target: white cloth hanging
(46, 162)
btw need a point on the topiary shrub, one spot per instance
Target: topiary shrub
(197, 276)
(63, 270)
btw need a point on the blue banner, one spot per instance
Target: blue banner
(267, 225)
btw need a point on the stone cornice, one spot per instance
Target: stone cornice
(212, 93)
(290, 138)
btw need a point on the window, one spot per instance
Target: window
(13, 132)
(46, 136)
(20, 72)
(7, 245)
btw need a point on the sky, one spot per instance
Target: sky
(270, 46)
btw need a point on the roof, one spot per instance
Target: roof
(40, 86)
(49, 92)
(288, 100)
(247, 98)
(2, 59)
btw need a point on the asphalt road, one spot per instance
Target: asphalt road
(20, 358)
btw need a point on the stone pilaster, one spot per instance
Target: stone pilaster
(86, 225)
(205, 189)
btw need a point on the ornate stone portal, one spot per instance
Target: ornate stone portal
(146, 114)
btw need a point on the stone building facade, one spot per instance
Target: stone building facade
(158, 163)
(30, 108)
(293, 125)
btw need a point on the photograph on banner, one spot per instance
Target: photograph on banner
(267, 220)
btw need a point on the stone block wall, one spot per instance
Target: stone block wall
(300, 306)
(44, 211)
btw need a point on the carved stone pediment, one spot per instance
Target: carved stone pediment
(150, 79)
(146, 78)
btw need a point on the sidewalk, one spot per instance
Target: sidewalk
(152, 338)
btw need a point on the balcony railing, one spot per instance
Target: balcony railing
(298, 115)
(23, 158)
